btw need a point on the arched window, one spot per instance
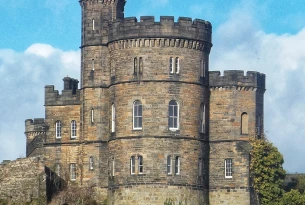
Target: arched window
(132, 165)
(73, 129)
(58, 129)
(137, 115)
(171, 67)
(92, 115)
(169, 165)
(177, 65)
(135, 66)
(202, 118)
(140, 164)
(93, 24)
(244, 123)
(173, 115)
(140, 66)
(112, 118)
(91, 164)
(177, 165)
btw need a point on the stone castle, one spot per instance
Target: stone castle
(149, 122)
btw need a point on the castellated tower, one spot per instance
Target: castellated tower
(150, 122)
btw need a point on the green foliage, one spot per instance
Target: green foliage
(301, 184)
(3, 202)
(170, 201)
(294, 197)
(267, 171)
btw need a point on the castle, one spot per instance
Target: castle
(150, 121)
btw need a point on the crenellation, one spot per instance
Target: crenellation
(36, 125)
(236, 78)
(67, 97)
(185, 21)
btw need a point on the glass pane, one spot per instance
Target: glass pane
(175, 122)
(175, 111)
(170, 122)
(140, 122)
(171, 111)
(140, 110)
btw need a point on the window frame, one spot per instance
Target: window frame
(140, 165)
(92, 115)
(177, 165)
(72, 171)
(169, 167)
(93, 24)
(137, 118)
(73, 129)
(244, 123)
(135, 66)
(171, 65)
(173, 117)
(177, 65)
(58, 129)
(202, 119)
(132, 165)
(92, 64)
(228, 168)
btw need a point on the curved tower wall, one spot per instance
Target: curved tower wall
(155, 87)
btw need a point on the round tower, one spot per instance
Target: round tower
(158, 97)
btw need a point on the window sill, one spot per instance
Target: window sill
(173, 129)
(228, 177)
(72, 138)
(137, 129)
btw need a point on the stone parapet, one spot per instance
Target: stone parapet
(52, 97)
(236, 78)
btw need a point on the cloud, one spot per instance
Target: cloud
(241, 44)
(23, 77)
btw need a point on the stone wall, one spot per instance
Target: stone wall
(23, 181)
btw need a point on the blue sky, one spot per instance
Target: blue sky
(39, 45)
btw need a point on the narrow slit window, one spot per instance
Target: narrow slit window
(200, 167)
(177, 65)
(93, 24)
(58, 170)
(202, 68)
(92, 64)
(228, 168)
(137, 115)
(169, 165)
(112, 118)
(135, 66)
(132, 165)
(73, 129)
(140, 66)
(58, 129)
(244, 123)
(173, 115)
(177, 165)
(113, 168)
(171, 67)
(91, 164)
(140, 164)
(202, 119)
(92, 115)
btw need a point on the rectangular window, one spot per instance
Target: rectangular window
(140, 163)
(200, 167)
(228, 168)
(137, 115)
(113, 168)
(132, 165)
(177, 165)
(202, 119)
(92, 115)
(177, 65)
(58, 129)
(91, 163)
(169, 165)
(73, 171)
(73, 129)
(171, 67)
(173, 115)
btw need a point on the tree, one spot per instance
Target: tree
(266, 171)
(294, 197)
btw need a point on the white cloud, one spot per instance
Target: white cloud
(23, 77)
(241, 44)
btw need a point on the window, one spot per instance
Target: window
(92, 64)
(177, 165)
(93, 24)
(244, 123)
(171, 68)
(58, 169)
(173, 115)
(200, 167)
(140, 66)
(137, 115)
(113, 168)
(132, 165)
(201, 71)
(258, 125)
(228, 168)
(92, 115)
(91, 164)
(73, 171)
(73, 129)
(58, 129)
(112, 118)
(135, 66)
(177, 65)
(202, 119)
(169, 165)
(140, 164)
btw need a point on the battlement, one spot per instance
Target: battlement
(237, 78)
(98, 1)
(36, 125)
(69, 96)
(185, 28)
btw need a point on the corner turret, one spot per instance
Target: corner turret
(35, 131)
